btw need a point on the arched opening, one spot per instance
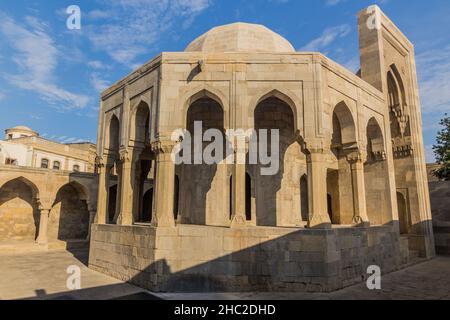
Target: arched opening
(248, 197)
(203, 187)
(330, 206)
(230, 196)
(141, 132)
(400, 126)
(376, 176)
(277, 194)
(19, 213)
(343, 142)
(176, 198)
(147, 209)
(304, 198)
(112, 202)
(112, 146)
(69, 216)
(334, 196)
(403, 214)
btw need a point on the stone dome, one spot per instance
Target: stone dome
(241, 37)
(23, 128)
(20, 132)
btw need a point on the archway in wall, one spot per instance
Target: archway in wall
(304, 198)
(113, 162)
(147, 209)
(333, 196)
(69, 216)
(403, 215)
(19, 213)
(376, 176)
(203, 187)
(339, 180)
(404, 167)
(277, 195)
(248, 197)
(112, 203)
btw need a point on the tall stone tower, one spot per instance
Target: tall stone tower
(388, 63)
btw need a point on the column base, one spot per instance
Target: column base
(238, 222)
(319, 222)
(165, 223)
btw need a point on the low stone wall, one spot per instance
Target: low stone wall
(440, 207)
(196, 258)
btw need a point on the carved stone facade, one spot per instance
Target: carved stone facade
(351, 190)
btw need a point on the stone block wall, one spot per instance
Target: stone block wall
(440, 207)
(199, 258)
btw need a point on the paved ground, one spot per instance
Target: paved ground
(44, 276)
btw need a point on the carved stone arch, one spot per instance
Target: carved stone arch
(284, 95)
(34, 188)
(347, 123)
(400, 85)
(143, 104)
(376, 143)
(204, 91)
(110, 120)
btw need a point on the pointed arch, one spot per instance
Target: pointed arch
(112, 141)
(287, 97)
(345, 125)
(140, 123)
(201, 92)
(375, 139)
(27, 182)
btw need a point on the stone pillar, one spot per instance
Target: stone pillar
(164, 185)
(317, 187)
(359, 189)
(103, 190)
(91, 222)
(240, 146)
(42, 238)
(126, 189)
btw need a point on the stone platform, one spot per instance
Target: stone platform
(214, 259)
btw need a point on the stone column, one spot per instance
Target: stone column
(240, 146)
(164, 185)
(317, 189)
(103, 190)
(91, 222)
(42, 238)
(126, 189)
(359, 189)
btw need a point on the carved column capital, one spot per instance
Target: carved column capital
(163, 147)
(314, 146)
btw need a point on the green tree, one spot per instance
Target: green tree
(442, 150)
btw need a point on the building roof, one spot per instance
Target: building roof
(241, 37)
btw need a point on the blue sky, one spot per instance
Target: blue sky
(51, 77)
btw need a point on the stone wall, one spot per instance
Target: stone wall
(196, 258)
(440, 206)
(19, 215)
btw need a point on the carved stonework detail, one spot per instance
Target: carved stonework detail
(165, 147)
(402, 147)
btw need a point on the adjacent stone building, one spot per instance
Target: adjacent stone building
(48, 190)
(352, 187)
(440, 207)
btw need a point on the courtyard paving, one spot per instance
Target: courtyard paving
(43, 275)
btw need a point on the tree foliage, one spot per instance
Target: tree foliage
(442, 150)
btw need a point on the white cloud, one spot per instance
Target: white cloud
(98, 65)
(98, 83)
(434, 79)
(328, 36)
(36, 57)
(2, 96)
(133, 26)
(334, 2)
